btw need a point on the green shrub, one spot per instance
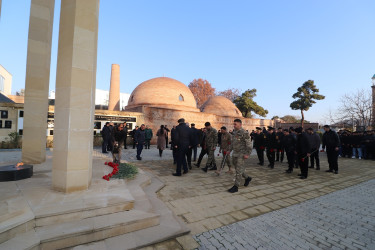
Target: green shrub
(126, 170)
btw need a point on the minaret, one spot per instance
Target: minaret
(114, 91)
(373, 101)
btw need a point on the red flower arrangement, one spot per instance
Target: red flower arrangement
(303, 159)
(114, 171)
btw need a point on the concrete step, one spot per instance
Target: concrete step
(16, 218)
(74, 233)
(26, 241)
(107, 202)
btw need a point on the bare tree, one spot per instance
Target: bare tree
(202, 90)
(356, 107)
(231, 94)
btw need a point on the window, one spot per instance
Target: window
(181, 98)
(8, 124)
(2, 80)
(1, 123)
(21, 113)
(4, 114)
(20, 131)
(51, 132)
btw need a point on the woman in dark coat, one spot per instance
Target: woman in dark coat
(161, 142)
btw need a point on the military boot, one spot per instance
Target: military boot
(213, 167)
(205, 169)
(247, 181)
(233, 189)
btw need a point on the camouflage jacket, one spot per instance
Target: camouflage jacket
(241, 142)
(211, 138)
(226, 141)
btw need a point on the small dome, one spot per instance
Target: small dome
(162, 92)
(220, 105)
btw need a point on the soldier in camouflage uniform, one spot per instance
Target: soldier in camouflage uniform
(241, 146)
(225, 147)
(211, 142)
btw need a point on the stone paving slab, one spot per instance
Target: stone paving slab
(343, 219)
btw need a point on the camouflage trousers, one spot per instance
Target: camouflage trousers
(239, 166)
(211, 157)
(227, 161)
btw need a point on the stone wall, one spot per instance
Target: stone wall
(154, 117)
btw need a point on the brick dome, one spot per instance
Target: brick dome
(220, 105)
(163, 92)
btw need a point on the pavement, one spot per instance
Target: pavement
(201, 200)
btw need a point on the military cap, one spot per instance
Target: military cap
(310, 129)
(193, 124)
(258, 128)
(270, 128)
(298, 130)
(181, 120)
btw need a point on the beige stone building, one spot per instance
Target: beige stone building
(5, 81)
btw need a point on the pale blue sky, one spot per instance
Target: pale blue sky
(273, 46)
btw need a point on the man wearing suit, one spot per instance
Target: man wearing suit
(182, 142)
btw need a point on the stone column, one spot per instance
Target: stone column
(114, 91)
(75, 95)
(37, 81)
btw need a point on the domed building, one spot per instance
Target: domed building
(162, 92)
(220, 105)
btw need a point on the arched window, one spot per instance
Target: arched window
(181, 98)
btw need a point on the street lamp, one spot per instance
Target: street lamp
(373, 80)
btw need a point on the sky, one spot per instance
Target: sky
(272, 46)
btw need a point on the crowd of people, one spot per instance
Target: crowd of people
(300, 146)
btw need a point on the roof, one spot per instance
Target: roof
(5, 99)
(220, 105)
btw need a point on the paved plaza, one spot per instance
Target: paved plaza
(340, 220)
(327, 210)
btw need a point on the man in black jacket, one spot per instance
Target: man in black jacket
(279, 142)
(182, 142)
(314, 140)
(331, 143)
(289, 144)
(125, 129)
(271, 146)
(140, 138)
(303, 151)
(195, 140)
(106, 135)
(117, 141)
(259, 145)
(203, 147)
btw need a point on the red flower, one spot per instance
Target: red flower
(322, 150)
(303, 159)
(110, 175)
(271, 150)
(105, 163)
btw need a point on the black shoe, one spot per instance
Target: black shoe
(175, 174)
(104, 152)
(272, 166)
(247, 181)
(303, 177)
(318, 168)
(260, 164)
(233, 189)
(299, 174)
(213, 168)
(205, 169)
(197, 165)
(269, 165)
(185, 172)
(288, 171)
(190, 167)
(311, 167)
(329, 171)
(336, 172)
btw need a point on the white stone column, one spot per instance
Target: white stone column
(75, 95)
(37, 81)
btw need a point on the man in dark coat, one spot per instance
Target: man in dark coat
(140, 138)
(259, 145)
(195, 140)
(271, 146)
(106, 135)
(182, 142)
(279, 142)
(166, 136)
(125, 129)
(289, 144)
(133, 135)
(314, 140)
(331, 143)
(303, 152)
(173, 141)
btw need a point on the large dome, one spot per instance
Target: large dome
(220, 105)
(162, 92)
